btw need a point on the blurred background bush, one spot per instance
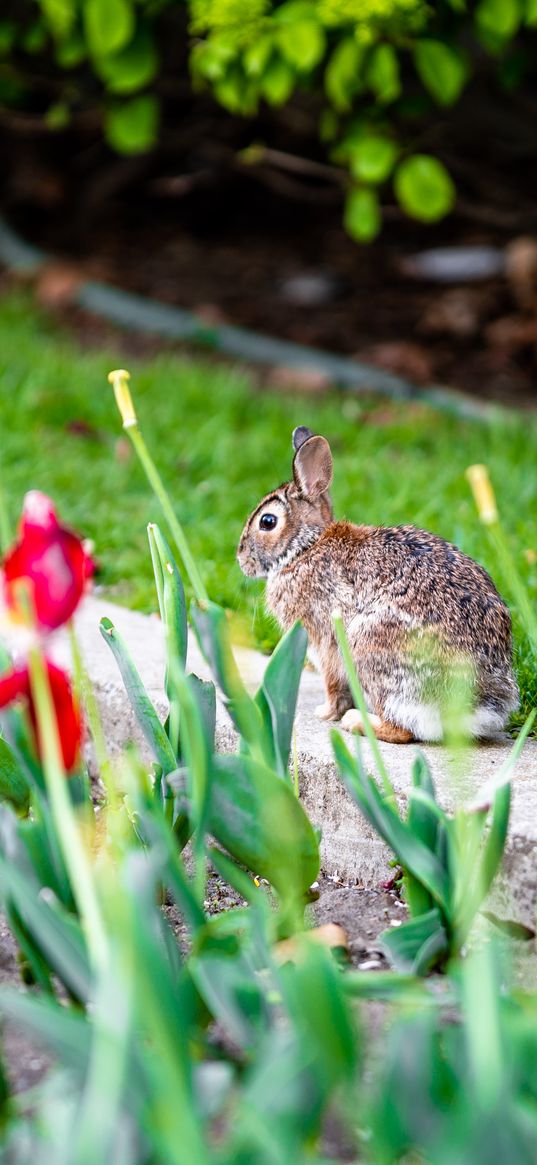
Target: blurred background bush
(221, 154)
(367, 75)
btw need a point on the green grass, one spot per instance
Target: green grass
(220, 442)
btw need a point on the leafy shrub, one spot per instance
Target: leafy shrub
(375, 68)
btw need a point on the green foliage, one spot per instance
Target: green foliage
(441, 68)
(132, 126)
(449, 862)
(244, 801)
(354, 55)
(424, 188)
(362, 214)
(182, 1037)
(14, 785)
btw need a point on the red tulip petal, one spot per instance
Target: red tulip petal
(56, 567)
(16, 684)
(13, 685)
(38, 513)
(67, 715)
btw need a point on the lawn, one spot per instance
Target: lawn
(221, 440)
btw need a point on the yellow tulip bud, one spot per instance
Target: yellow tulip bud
(118, 379)
(478, 476)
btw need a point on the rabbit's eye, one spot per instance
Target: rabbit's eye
(267, 521)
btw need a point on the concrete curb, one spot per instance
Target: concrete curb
(349, 847)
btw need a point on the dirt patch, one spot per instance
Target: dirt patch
(363, 914)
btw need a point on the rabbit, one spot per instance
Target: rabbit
(419, 614)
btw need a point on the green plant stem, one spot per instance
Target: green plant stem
(358, 697)
(5, 525)
(296, 784)
(70, 836)
(514, 582)
(87, 696)
(159, 489)
(195, 752)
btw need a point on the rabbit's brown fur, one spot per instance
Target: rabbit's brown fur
(421, 617)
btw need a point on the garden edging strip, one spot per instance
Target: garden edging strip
(140, 314)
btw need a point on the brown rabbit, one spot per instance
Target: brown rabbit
(418, 613)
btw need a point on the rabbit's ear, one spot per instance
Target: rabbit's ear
(300, 435)
(312, 467)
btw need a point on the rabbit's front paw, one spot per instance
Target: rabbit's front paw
(326, 712)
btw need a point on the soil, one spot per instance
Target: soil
(262, 244)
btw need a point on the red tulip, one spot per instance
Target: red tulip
(51, 560)
(15, 685)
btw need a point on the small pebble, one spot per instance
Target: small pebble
(309, 288)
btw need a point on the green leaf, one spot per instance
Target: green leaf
(35, 38)
(259, 821)
(256, 57)
(109, 25)
(342, 78)
(237, 92)
(132, 68)
(172, 606)
(285, 1090)
(211, 58)
(204, 694)
(302, 43)
(65, 1032)
(424, 188)
(60, 16)
(500, 18)
(14, 785)
(8, 36)
(372, 157)
(385, 985)
(315, 998)
(71, 51)
(211, 628)
(131, 128)
(423, 824)
(142, 707)
(226, 980)
(489, 861)
(410, 852)
(508, 926)
(530, 13)
(382, 73)
(34, 966)
(58, 116)
(418, 945)
(157, 833)
(362, 216)
(278, 694)
(56, 933)
(277, 82)
(237, 878)
(441, 68)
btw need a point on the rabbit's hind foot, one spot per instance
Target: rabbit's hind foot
(384, 729)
